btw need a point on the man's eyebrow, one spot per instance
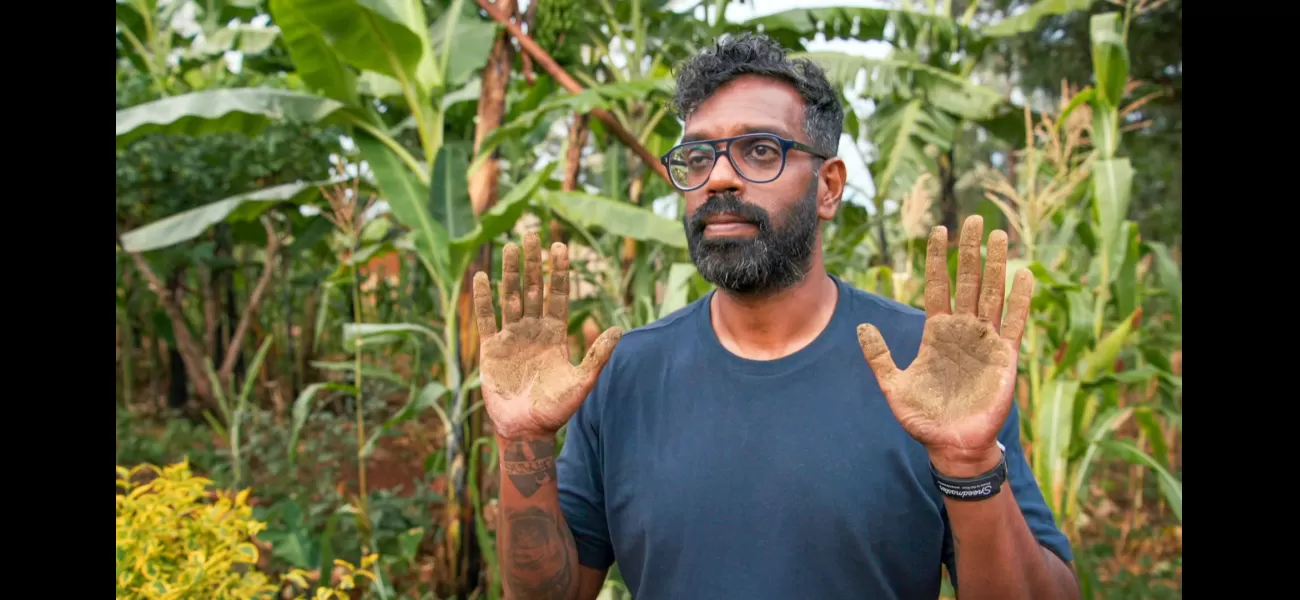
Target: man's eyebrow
(772, 129)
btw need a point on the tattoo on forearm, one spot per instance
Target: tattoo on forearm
(529, 464)
(539, 563)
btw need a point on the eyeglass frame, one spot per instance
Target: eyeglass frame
(786, 146)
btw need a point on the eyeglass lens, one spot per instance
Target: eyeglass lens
(757, 159)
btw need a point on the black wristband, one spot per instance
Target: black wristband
(979, 487)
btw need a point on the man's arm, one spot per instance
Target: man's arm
(1007, 546)
(997, 555)
(538, 555)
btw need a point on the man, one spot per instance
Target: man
(742, 447)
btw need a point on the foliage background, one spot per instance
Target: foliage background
(302, 187)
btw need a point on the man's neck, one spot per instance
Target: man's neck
(778, 324)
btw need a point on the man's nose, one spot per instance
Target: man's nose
(724, 178)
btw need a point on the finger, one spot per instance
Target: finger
(532, 276)
(512, 307)
(995, 280)
(1022, 291)
(598, 354)
(483, 313)
(968, 265)
(557, 304)
(937, 301)
(877, 353)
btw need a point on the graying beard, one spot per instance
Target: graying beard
(750, 272)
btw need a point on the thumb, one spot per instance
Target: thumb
(598, 354)
(876, 352)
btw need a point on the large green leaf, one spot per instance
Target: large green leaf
(239, 110)
(1101, 428)
(901, 132)
(369, 333)
(408, 200)
(385, 36)
(1101, 358)
(1170, 278)
(1112, 188)
(499, 219)
(380, 86)
(245, 39)
(1170, 486)
(185, 226)
(1053, 412)
(1124, 272)
(1110, 62)
(449, 201)
(618, 218)
(130, 19)
(315, 61)
(677, 289)
(893, 79)
(1078, 329)
(470, 39)
(1028, 20)
(902, 29)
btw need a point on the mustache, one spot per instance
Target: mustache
(728, 203)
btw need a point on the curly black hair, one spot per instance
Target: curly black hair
(758, 54)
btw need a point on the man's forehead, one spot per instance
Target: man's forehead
(747, 104)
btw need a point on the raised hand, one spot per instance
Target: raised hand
(956, 394)
(530, 388)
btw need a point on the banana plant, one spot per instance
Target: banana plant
(922, 90)
(359, 63)
(359, 60)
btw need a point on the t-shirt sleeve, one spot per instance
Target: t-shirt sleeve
(1028, 495)
(580, 472)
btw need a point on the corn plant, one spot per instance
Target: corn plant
(1082, 360)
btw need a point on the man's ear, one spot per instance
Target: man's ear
(830, 190)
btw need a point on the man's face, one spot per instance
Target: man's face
(751, 238)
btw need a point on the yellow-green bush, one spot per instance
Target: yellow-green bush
(175, 540)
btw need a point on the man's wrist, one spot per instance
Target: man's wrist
(525, 438)
(964, 464)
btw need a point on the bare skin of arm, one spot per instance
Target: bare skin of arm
(538, 556)
(954, 399)
(997, 554)
(530, 390)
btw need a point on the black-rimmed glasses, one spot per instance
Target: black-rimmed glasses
(762, 158)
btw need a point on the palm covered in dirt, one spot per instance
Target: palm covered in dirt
(530, 387)
(956, 394)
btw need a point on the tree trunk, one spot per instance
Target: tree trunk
(572, 166)
(483, 191)
(287, 318)
(630, 245)
(307, 352)
(190, 351)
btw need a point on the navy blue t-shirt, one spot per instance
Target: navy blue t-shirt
(707, 475)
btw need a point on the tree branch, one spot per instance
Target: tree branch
(569, 83)
(255, 299)
(191, 352)
(530, 19)
(209, 309)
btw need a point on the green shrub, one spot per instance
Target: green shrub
(177, 538)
